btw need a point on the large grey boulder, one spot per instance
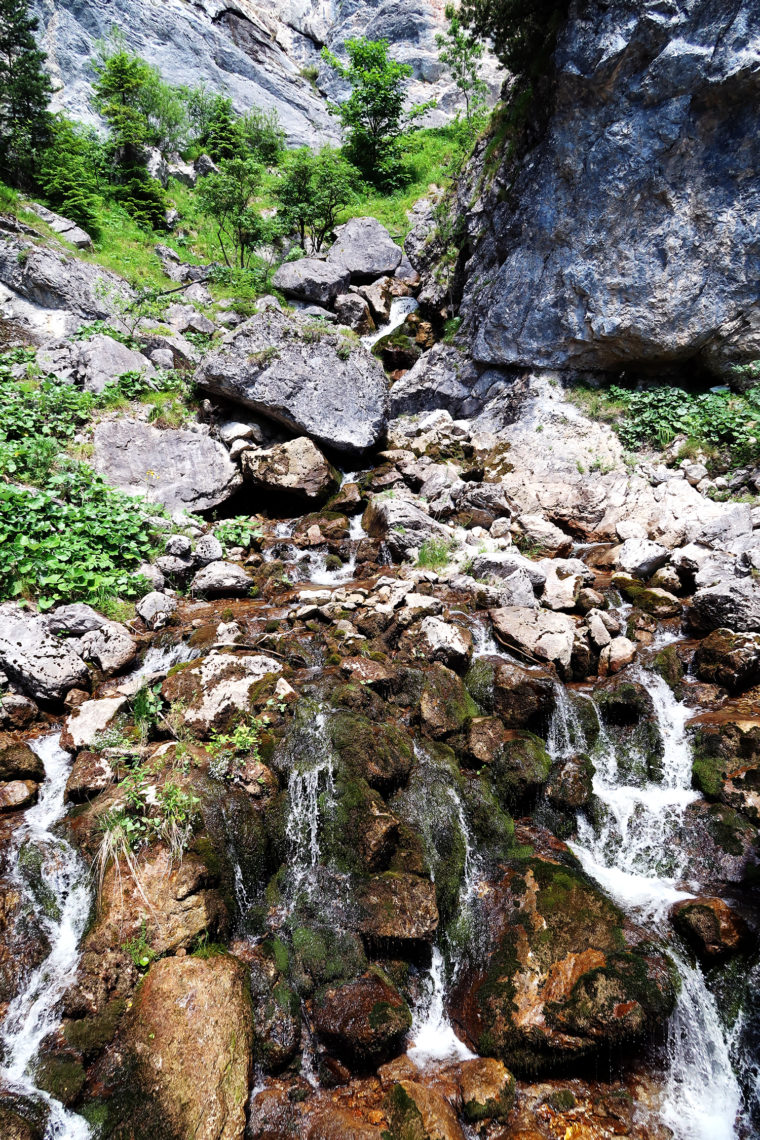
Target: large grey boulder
(221, 579)
(103, 360)
(111, 647)
(364, 247)
(297, 468)
(310, 378)
(733, 604)
(538, 634)
(73, 620)
(630, 236)
(66, 229)
(176, 467)
(312, 280)
(44, 667)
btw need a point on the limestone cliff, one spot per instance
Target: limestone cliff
(630, 235)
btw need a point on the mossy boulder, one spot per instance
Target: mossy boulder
(729, 659)
(321, 955)
(479, 681)
(277, 1024)
(710, 926)
(18, 761)
(445, 704)
(519, 770)
(419, 1112)
(397, 913)
(382, 754)
(184, 1061)
(364, 1021)
(567, 981)
(488, 1090)
(60, 1074)
(670, 667)
(628, 714)
(360, 832)
(726, 765)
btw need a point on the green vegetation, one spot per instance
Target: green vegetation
(462, 53)
(434, 554)
(313, 190)
(723, 425)
(522, 32)
(24, 93)
(240, 531)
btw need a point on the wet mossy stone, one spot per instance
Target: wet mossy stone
(479, 680)
(62, 1076)
(491, 826)
(364, 1021)
(562, 985)
(277, 1024)
(627, 710)
(519, 770)
(669, 666)
(90, 1035)
(382, 754)
(236, 843)
(359, 833)
(430, 806)
(22, 1117)
(729, 659)
(321, 955)
(445, 705)
(18, 761)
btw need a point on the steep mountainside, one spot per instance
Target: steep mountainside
(253, 52)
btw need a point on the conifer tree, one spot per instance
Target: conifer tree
(24, 94)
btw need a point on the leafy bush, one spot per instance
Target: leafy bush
(240, 531)
(70, 172)
(434, 554)
(312, 191)
(718, 419)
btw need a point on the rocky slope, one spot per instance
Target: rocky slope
(627, 238)
(254, 52)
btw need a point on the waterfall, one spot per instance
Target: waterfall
(311, 794)
(636, 852)
(401, 307)
(33, 1013)
(321, 576)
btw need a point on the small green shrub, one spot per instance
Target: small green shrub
(434, 553)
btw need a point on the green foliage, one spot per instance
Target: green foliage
(460, 51)
(717, 419)
(143, 198)
(151, 811)
(434, 554)
(70, 173)
(313, 190)
(146, 706)
(24, 94)
(373, 116)
(139, 948)
(522, 32)
(140, 109)
(227, 197)
(224, 135)
(240, 531)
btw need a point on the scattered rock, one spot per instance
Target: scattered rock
(111, 648)
(295, 468)
(156, 609)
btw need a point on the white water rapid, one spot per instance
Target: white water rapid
(401, 307)
(637, 852)
(33, 1013)
(311, 793)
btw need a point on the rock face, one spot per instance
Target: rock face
(311, 379)
(175, 467)
(620, 260)
(190, 1035)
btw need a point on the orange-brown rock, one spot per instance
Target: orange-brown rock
(710, 926)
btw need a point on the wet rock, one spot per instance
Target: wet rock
(562, 985)
(379, 297)
(419, 1111)
(174, 466)
(216, 689)
(171, 903)
(488, 1090)
(156, 609)
(18, 761)
(17, 795)
(710, 926)
(398, 912)
(522, 696)
(449, 644)
(571, 787)
(542, 636)
(110, 647)
(295, 468)
(16, 711)
(310, 379)
(364, 1021)
(189, 1037)
(85, 723)
(381, 753)
(90, 774)
(729, 659)
(519, 770)
(732, 604)
(334, 1122)
(445, 704)
(277, 1024)
(43, 666)
(309, 279)
(353, 311)
(364, 247)
(220, 580)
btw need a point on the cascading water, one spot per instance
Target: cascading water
(311, 793)
(401, 307)
(636, 851)
(32, 1015)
